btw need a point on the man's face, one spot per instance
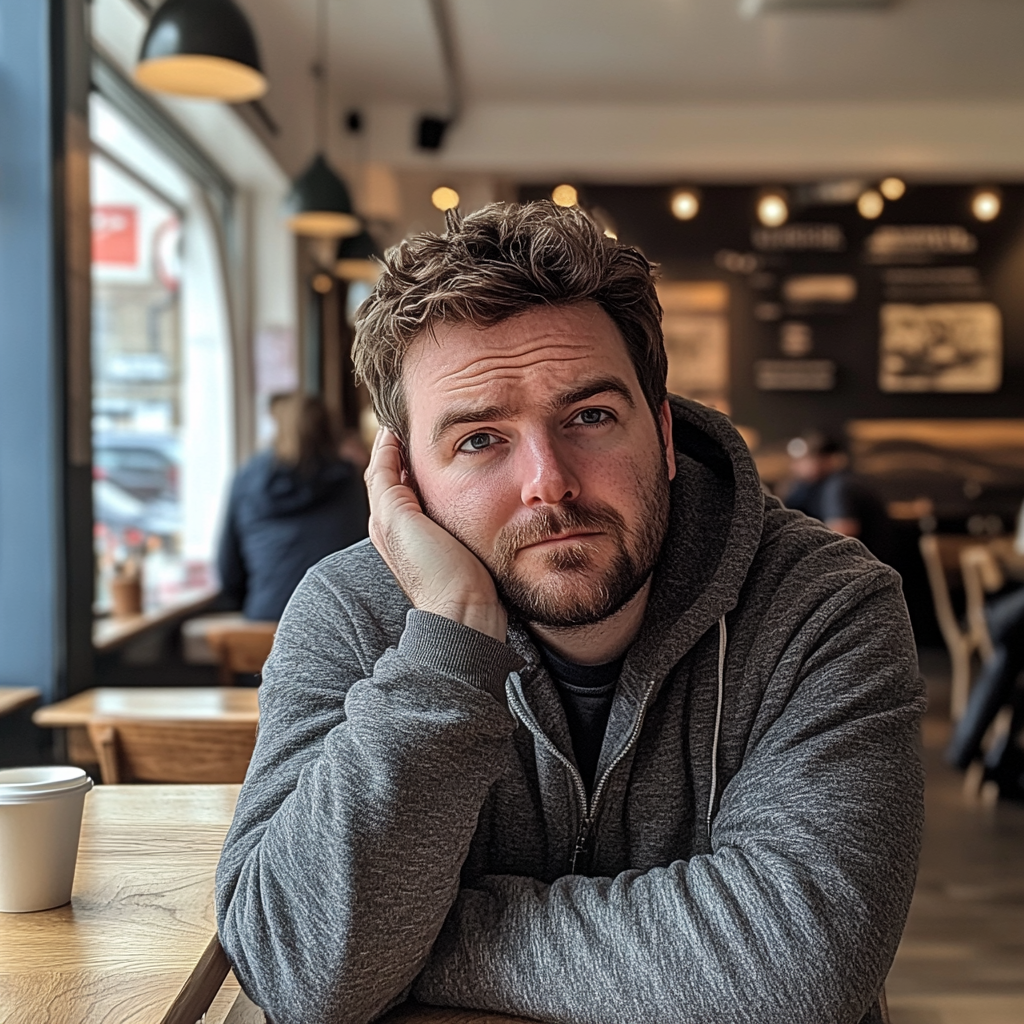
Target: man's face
(532, 443)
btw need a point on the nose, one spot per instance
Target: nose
(547, 478)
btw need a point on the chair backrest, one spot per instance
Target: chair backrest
(160, 750)
(941, 556)
(982, 575)
(242, 649)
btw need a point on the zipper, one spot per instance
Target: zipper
(585, 831)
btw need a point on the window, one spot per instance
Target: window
(162, 410)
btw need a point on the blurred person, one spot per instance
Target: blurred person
(353, 448)
(999, 685)
(825, 489)
(289, 507)
(591, 730)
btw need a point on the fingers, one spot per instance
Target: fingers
(385, 468)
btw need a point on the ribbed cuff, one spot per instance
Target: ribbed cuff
(456, 650)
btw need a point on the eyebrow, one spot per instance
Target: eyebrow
(461, 414)
(466, 414)
(598, 386)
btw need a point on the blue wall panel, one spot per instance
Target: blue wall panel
(30, 442)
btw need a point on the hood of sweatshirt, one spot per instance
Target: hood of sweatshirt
(276, 490)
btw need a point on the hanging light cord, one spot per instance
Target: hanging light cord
(320, 75)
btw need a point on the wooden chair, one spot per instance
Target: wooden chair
(158, 750)
(941, 555)
(982, 574)
(242, 649)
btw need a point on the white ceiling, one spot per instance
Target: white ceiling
(654, 51)
(652, 71)
(658, 89)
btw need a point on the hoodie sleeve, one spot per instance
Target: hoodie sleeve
(358, 807)
(795, 915)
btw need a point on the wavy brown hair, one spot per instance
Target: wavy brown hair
(492, 265)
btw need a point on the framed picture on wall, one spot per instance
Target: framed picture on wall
(946, 346)
(696, 327)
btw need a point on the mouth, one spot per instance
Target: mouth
(562, 538)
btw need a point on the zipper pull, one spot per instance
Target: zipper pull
(581, 851)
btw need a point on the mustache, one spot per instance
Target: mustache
(552, 521)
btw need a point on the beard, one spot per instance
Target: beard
(573, 587)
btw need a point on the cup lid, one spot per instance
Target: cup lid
(25, 785)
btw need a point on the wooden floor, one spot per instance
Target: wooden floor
(962, 956)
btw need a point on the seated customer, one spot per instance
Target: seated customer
(1000, 684)
(825, 489)
(289, 508)
(592, 731)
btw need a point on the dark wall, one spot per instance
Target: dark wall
(688, 250)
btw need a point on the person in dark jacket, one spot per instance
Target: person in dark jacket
(289, 507)
(1000, 684)
(826, 490)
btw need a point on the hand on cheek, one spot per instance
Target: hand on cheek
(438, 573)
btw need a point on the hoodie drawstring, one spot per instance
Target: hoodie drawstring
(722, 641)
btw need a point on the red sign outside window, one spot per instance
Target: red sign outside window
(115, 235)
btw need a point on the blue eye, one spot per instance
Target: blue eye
(478, 442)
(592, 417)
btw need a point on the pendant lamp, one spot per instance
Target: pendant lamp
(319, 203)
(204, 49)
(358, 259)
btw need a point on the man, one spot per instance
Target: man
(592, 731)
(825, 489)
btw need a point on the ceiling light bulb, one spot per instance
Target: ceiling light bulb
(445, 198)
(564, 195)
(986, 204)
(871, 204)
(685, 204)
(772, 210)
(893, 188)
(322, 283)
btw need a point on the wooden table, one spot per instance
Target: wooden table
(14, 697)
(140, 915)
(208, 703)
(191, 703)
(108, 632)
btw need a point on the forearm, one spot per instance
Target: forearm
(794, 917)
(329, 905)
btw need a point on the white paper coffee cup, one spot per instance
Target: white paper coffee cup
(40, 821)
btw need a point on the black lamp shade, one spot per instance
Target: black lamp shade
(203, 49)
(319, 203)
(358, 258)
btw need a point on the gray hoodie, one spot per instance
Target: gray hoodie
(413, 820)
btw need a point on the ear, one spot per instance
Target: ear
(665, 426)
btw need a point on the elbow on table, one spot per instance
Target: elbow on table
(295, 979)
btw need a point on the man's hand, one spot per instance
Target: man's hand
(438, 573)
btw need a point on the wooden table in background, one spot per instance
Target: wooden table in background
(14, 697)
(108, 632)
(205, 703)
(140, 915)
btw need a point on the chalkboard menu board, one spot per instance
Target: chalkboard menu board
(916, 314)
